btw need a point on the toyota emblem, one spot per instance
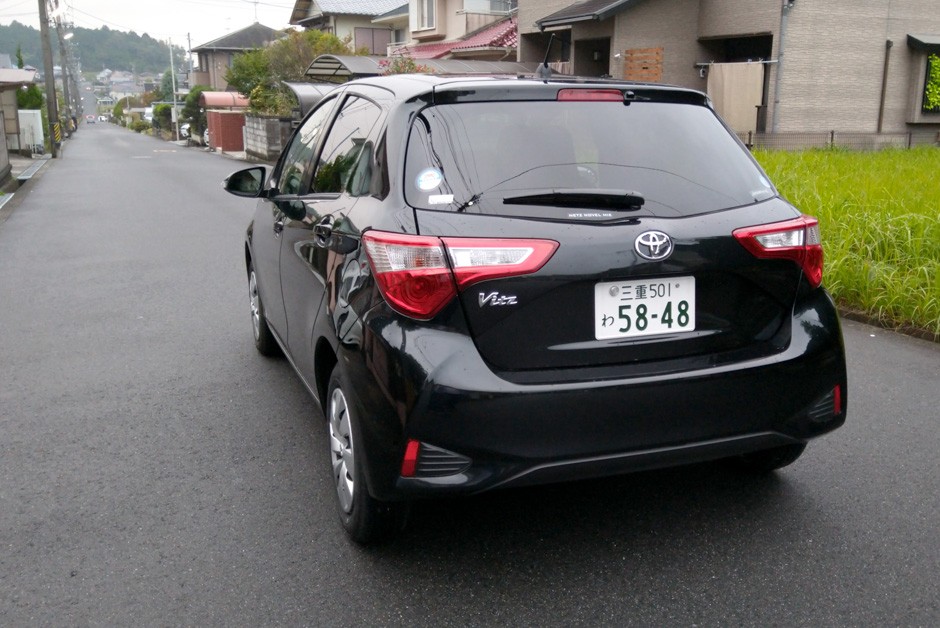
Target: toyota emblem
(653, 245)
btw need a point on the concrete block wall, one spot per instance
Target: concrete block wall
(266, 136)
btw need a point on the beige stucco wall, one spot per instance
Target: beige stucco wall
(346, 25)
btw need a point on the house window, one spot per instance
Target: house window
(426, 13)
(931, 102)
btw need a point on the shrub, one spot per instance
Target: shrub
(140, 126)
(403, 65)
(163, 116)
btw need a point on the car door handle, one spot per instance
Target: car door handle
(323, 231)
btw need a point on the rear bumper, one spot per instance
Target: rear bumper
(432, 386)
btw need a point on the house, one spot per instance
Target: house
(215, 58)
(348, 19)
(769, 65)
(467, 29)
(436, 20)
(11, 80)
(421, 29)
(395, 21)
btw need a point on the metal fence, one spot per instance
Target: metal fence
(839, 139)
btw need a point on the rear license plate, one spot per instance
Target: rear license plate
(625, 309)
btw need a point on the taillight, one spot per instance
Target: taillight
(411, 271)
(419, 275)
(479, 259)
(589, 95)
(796, 240)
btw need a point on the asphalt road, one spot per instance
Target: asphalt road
(154, 470)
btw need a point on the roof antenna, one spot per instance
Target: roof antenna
(543, 71)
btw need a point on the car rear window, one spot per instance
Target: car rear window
(679, 158)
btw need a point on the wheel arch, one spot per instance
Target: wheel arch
(324, 362)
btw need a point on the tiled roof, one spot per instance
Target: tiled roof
(255, 36)
(358, 7)
(503, 34)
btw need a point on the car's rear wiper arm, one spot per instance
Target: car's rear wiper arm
(587, 198)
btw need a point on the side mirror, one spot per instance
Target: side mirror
(247, 183)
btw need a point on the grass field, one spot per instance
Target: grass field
(879, 213)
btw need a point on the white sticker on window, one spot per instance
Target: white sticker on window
(429, 179)
(440, 199)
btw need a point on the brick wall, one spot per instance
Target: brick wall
(668, 24)
(834, 57)
(225, 130)
(834, 53)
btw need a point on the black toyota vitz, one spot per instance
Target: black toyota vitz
(498, 282)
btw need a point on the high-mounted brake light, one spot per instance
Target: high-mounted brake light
(590, 95)
(419, 275)
(796, 240)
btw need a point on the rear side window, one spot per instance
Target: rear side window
(345, 164)
(470, 157)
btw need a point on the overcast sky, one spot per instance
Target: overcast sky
(204, 20)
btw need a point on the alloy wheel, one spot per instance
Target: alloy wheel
(255, 302)
(341, 448)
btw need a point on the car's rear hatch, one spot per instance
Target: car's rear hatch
(642, 199)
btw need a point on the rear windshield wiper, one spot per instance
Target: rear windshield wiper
(587, 199)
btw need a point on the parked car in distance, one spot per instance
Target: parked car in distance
(90, 119)
(500, 282)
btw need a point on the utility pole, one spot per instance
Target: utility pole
(51, 105)
(64, 59)
(176, 117)
(189, 44)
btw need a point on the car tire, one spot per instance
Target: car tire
(264, 338)
(768, 460)
(365, 519)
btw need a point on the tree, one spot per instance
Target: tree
(163, 116)
(29, 98)
(260, 74)
(249, 70)
(192, 112)
(166, 87)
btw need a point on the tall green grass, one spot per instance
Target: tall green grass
(879, 213)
